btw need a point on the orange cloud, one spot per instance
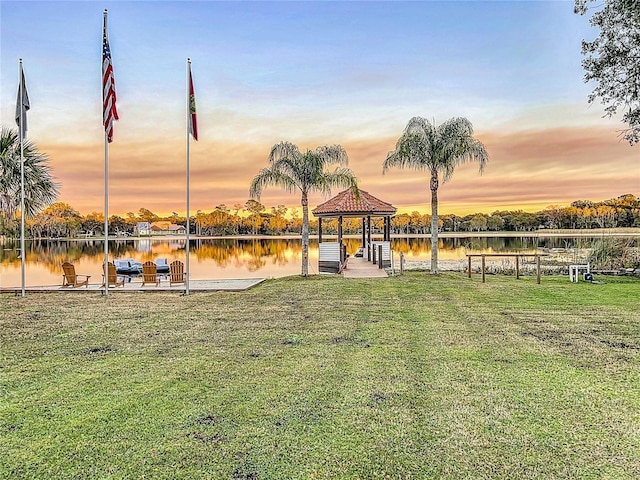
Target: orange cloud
(527, 169)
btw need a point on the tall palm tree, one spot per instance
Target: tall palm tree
(39, 188)
(305, 172)
(438, 149)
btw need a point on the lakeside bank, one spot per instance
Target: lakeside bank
(575, 233)
(234, 257)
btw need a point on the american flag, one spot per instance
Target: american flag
(109, 112)
(193, 119)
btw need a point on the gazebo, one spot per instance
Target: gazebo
(350, 203)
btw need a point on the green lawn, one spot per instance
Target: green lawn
(407, 377)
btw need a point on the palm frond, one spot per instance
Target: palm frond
(458, 146)
(40, 188)
(341, 177)
(291, 170)
(413, 150)
(418, 126)
(333, 155)
(425, 146)
(283, 150)
(270, 176)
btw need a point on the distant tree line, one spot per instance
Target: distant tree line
(253, 218)
(623, 211)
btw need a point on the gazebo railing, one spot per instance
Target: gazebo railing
(330, 257)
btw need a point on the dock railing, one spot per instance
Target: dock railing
(381, 254)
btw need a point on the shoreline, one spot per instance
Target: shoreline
(578, 233)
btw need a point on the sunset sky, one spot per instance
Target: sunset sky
(312, 73)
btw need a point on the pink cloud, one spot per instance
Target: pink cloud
(527, 169)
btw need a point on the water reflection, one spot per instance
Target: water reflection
(456, 248)
(236, 257)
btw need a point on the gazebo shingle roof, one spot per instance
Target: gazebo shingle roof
(347, 204)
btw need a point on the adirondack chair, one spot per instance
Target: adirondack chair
(176, 272)
(113, 279)
(150, 274)
(71, 279)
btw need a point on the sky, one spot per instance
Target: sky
(312, 73)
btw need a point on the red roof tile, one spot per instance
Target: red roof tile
(346, 203)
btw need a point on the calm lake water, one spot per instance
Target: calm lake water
(237, 257)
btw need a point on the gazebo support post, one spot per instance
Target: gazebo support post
(340, 237)
(364, 232)
(319, 230)
(368, 238)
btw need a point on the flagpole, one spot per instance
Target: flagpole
(105, 265)
(186, 292)
(21, 131)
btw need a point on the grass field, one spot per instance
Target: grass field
(407, 377)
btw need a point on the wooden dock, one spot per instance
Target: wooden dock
(358, 267)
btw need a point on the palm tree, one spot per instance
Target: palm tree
(305, 172)
(39, 188)
(438, 149)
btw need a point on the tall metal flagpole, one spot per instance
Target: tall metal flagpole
(105, 265)
(188, 109)
(21, 132)
(192, 128)
(109, 114)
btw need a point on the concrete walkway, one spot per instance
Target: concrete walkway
(229, 285)
(359, 267)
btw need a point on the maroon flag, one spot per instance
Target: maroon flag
(193, 118)
(109, 112)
